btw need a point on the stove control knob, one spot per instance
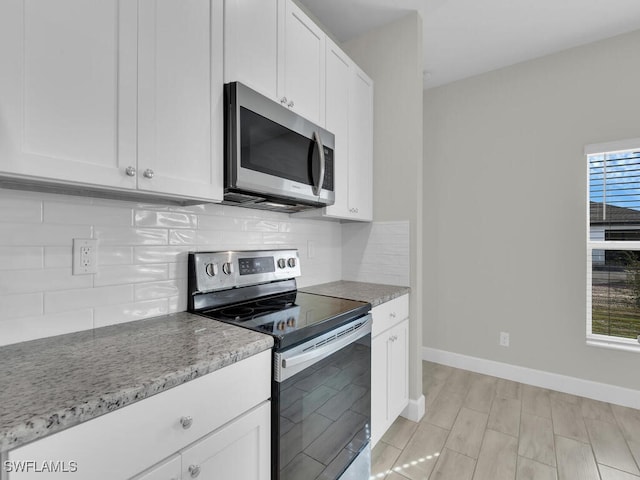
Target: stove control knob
(227, 268)
(292, 262)
(211, 269)
(282, 263)
(281, 325)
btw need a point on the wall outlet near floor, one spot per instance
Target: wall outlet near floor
(504, 339)
(85, 256)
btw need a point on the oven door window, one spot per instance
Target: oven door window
(324, 414)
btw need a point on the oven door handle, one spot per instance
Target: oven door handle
(328, 348)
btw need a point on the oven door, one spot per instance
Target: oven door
(270, 150)
(322, 404)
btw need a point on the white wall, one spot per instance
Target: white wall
(504, 218)
(392, 56)
(142, 253)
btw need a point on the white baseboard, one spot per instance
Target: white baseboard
(414, 411)
(604, 392)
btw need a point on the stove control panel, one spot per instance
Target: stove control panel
(210, 271)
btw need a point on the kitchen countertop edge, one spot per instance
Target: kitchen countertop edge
(374, 293)
(40, 425)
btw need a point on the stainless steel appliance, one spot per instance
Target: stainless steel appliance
(274, 158)
(321, 386)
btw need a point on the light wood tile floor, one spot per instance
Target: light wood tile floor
(478, 427)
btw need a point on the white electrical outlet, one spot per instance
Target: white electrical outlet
(504, 339)
(85, 256)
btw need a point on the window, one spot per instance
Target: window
(613, 245)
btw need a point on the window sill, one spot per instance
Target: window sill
(612, 343)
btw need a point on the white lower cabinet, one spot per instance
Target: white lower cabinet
(389, 364)
(217, 423)
(239, 450)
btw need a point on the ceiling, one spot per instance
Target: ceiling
(463, 38)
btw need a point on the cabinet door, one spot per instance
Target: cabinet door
(361, 146)
(302, 63)
(251, 44)
(167, 470)
(379, 387)
(180, 97)
(338, 71)
(398, 367)
(68, 90)
(239, 450)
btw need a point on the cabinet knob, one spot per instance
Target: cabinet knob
(131, 171)
(290, 104)
(194, 470)
(283, 100)
(186, 422)
(148, 173)
(392, 315)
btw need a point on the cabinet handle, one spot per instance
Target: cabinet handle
(194, 470)
(186, 422)
(130, 171)
(290, 104)
(148, 173)
(283, 100)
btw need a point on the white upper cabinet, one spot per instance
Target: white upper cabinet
(360, 146)
(349, 116)
(302, 66)
(251, 44)
(113, 94)
(274, 48)
(338, 78)
(68, 90)
(180, 97)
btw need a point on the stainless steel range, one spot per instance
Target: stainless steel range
(321, 385)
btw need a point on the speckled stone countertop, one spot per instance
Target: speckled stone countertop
(50, 384)
(374, 293)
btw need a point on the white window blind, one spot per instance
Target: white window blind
(613, 247)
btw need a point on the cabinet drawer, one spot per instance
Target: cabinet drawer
(129, 440)
(387, 314)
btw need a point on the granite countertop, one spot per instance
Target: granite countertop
(53, 383)
(374, 293)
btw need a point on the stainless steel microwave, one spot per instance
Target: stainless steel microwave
(274, 158)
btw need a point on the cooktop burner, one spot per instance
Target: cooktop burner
(291, 317)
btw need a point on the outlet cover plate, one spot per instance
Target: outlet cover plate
(85, 256)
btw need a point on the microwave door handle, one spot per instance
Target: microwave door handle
(318, 141)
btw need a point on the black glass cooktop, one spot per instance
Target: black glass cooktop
(291, 317)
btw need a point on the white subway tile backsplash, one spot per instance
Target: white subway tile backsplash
(49, 279)
(131, 236)
(74, 214)
(127, 312)
(21, 305)
(164, 254)
(19, 210)
(114, 255)
(152, 290)
(66, 300)
(21, 258)
(28, 328)
(148, 218)
(17, 234)
(121, 274)
(58, 257)
(142, 257)
(377, 252)
(183, 237)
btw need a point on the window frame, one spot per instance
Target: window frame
(594, 339)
